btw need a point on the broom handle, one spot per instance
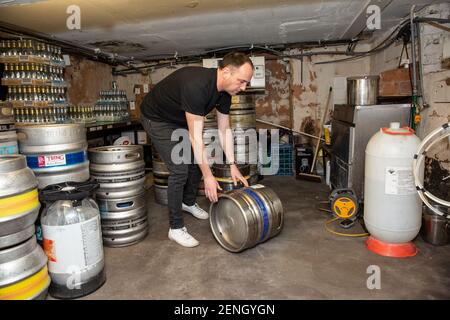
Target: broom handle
(286, 128)
(320, 131)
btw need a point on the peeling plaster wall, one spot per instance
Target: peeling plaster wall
(127, 83)
(436, 80)
(274, 106)
(309, 92)
(436, 90)
(86, 78)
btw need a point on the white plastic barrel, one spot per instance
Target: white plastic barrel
(392, 207)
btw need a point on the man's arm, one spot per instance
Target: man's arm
(195, 126)
(225, 136)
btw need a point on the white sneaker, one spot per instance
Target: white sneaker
(196, 211)
(182, 237)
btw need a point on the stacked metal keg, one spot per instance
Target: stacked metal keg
(8, 136)
(23, 263)
(160, 178)
(222, 173)
(243, 123)
(56, 152)
(120, 171)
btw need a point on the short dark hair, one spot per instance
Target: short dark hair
(235, 59)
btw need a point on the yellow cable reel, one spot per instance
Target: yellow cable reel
(344, 204)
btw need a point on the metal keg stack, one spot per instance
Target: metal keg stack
(243, 123)
(8, 136)
(222, 173)
(244, 218)
(120, 171)
(160, 178)
(23, 263)
(55, 152)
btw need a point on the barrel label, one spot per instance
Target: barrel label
(52, 160)
(399, 181)
(56, 160)
(73, 246)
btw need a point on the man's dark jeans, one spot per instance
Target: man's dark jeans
(184, 178)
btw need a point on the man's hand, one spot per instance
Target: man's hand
(211, 186)
(236, 175)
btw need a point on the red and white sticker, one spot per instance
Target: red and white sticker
(52, 160)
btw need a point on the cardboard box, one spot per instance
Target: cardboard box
(133, 111)
(395, 83)
(140, 91)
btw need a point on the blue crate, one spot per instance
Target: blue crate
(285, 159)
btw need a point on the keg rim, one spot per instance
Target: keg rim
(25, 249)
(216, 231)
(12, 161)
(368, 77)
(44, 125)
(115, 148)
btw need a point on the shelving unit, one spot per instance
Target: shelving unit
(33, 74)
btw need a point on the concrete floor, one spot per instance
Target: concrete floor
(303, 262)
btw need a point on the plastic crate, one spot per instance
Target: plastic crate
(285, 160)
(286, 164)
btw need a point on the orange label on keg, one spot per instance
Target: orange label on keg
(49, 249)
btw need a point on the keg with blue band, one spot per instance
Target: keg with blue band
(263, 210)
(70, 160)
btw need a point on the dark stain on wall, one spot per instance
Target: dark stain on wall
(308, 126)
(297, 91)
(313, 88)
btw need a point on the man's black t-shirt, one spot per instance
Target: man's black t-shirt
(189, 89)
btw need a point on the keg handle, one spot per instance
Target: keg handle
(133, 155)
(126, 204)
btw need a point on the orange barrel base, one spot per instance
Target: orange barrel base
(393, 250)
